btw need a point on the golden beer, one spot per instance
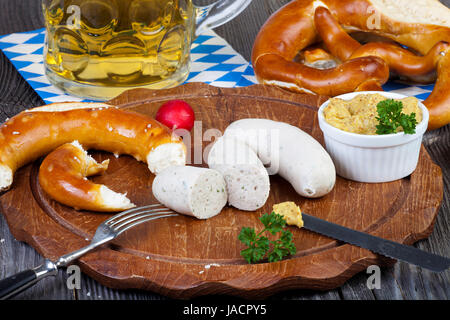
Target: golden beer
(99, 48)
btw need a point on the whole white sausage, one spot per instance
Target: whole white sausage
(247, 180)
(198, 192)
(288, 151)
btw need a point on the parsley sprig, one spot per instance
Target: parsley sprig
(260, 247)
(390, 118)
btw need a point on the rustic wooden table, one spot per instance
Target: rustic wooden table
(403, 281)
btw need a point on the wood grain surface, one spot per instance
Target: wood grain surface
(182, 257)
(402, 281)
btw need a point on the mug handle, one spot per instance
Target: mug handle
(218, 13)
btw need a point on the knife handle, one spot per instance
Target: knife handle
(17, 283)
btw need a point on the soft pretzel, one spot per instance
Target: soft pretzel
(420, 25)
(62, 176)
(401, 61)
(290, 30)
(320, 59)
(346, 77)
(36, 132)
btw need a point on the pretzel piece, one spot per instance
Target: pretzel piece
(36, 132)
(400, 60)
(62, 176)
(344, 78)
(289, 31)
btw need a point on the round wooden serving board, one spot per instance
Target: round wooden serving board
(183, 257)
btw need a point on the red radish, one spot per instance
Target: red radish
(176, 114)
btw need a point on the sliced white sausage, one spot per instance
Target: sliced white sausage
(247, 180)
(198, 192)
(288, 151)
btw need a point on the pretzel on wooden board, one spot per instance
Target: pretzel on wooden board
(36, 132)
(422, 26)
(63, 176)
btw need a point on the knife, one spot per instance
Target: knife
(376, 244)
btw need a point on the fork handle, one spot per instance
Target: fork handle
(25, 279)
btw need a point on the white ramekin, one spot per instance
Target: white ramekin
(373, 158)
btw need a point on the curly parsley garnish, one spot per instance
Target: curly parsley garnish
(390, 118)
(260, 247)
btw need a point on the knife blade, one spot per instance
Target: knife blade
(376, 244)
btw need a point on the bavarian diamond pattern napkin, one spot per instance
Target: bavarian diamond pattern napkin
(214, 62)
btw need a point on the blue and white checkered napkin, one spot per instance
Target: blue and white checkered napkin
(214, 62)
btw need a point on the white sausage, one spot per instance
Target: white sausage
(198, 192)
(246, 178)
(288, 151)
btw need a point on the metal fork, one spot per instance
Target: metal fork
(107, 231)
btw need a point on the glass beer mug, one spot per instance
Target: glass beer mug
(97, 49)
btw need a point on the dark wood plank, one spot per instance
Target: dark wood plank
(15, 95)
(16, 256)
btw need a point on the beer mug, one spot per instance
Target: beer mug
(97, 49)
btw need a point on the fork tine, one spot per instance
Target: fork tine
(143, 214)
(128, 226)
(136, 213)
(131, 211)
